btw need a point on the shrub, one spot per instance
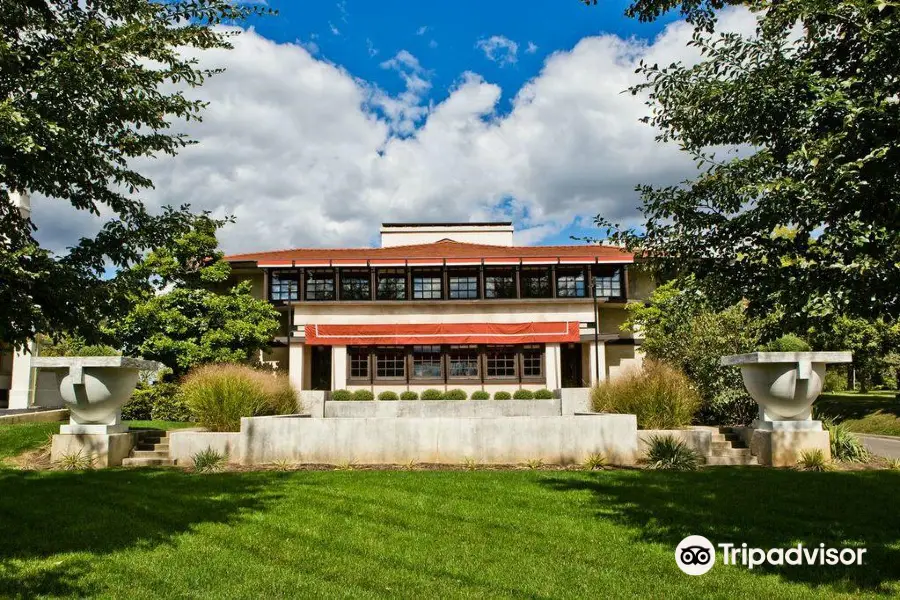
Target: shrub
(813, 460)
(729, 407)
(409, 396)
(170, 405)
(659, 395)
(363, 396)
(140, 404)
(502, 396)
(595, 461)
(220, 394)
(209, 461)
(523, 395)
(845, 446)
(481, 395)
(385, 396)
(145, 398)
(456, 395)
(543, 394)
(342, 395)
(835, 381)
(667, 453)
(786, 343)
(432, 394)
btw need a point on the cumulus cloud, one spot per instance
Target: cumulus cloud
(304, 154)
(499, 49)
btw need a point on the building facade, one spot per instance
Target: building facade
(446, 306)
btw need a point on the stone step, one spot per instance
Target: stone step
(741, 459)
(149, 454)
(147, 462)
(729, 451)
(161, 447)
(726, 446)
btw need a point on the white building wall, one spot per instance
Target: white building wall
(493, 235)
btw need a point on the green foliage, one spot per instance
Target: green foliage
(659, 395)
(409, 396)
(219, 395)
(363, 396)
(75, 461)
(342, 395)
(873, 343)
(786, 343)
(180, 320)
(595, 461)
(209, 461)
(89, 91)
(170, 405)
(523, 395)
(729, 407)
(666, 453)
(845, 445)
(811, 104)
(835, 380)
(481, 395)
(813, 460)
(386, 396)
(455, 395)
(159, 398)
(432, 394)
(502, 396)
(543, 394)
(72, 345)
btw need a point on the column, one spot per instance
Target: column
(21, 384)
(338, 367)
(597, 353)
(295, 364)
(553, 367)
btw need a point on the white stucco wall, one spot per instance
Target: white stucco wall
(494, 235)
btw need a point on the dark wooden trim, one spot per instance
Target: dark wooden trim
(553, 281)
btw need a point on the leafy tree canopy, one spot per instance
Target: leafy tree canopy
(795, 129)
(85, 88)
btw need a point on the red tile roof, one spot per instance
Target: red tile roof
(448, 251)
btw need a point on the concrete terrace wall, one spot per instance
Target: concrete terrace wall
(183, 445)
(500, 440)
(442, 408)
(698, 440)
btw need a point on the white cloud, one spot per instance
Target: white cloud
(333, 28)
(421, 30)
(499, 49)
(532, 48)
(304, 154)
(432, 44)
(370, 47)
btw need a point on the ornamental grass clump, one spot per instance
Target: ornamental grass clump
(665, 453)
(219, 395)
(845, 445)
(659, 395)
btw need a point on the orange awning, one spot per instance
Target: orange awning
(443, 333)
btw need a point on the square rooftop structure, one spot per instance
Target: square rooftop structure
(498, 233)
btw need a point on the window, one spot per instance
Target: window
(500, 362)
(570, 283)
(535, 282)
(390, 363)
(320, 284)
(426, 286)
(533, 361)
(500, 284)
(284, 286)
(355, 285)
(463, 362)
(391, 284)
(463, 286)
(426, 362)
(359, 362)
(608, 283)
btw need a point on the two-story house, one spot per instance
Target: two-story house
(449, 305)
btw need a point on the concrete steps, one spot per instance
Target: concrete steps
(151, 450)
(728, 448)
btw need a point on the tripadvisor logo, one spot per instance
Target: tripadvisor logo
(696, 555)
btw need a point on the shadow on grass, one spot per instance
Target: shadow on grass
(766, 508)
(844, 407)
(98, 512)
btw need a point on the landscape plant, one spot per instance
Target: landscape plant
(455, 395)
(209, 461)
(845, 445)
(666, 453)
(363, 395)
(342, 395)
(408, 395)
(481, 395)
(523, 394)
(502, 396)
(543, 394)
(786, 343)
(813, 460)
(388, 396)
(432, 394)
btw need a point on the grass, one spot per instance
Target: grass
(22, 437)
(164, 425)
(874, 412)
(123, 533)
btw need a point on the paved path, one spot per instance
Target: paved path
(882, 445)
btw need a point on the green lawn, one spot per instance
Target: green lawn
(874, 412)
(167, 425)
(22, 437)
(484, 534)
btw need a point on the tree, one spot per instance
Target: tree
(186, 314)
(809, 109)
(874, 344)
(85, 88)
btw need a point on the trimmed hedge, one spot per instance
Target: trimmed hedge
(543, 394)
(481, 395)
(502, 396)
(342, 395)
(385, 396)
(409, 396)
(523, 395)
(456, 395)
(432, 394)
(363, 396)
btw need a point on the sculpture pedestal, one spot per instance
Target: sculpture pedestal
(101, 449)
(781, 443)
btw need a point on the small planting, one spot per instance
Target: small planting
(786, 343)
(388, 396)
(813, 460)
(845, 445)
(342, 395)
(283, 465)
(470, 464)
(412, 465)
(220, 395)
(209, 461)
(661, 396)
(456, 395)
(363, 396)
(481, 395)
(409, 396)
(893, 464)
(534, 463)
(76, 461)
(595, 461)
(502, 396)
(665, 453)
(523, 395)
(543, 394)
(432, 394)
(346, 465)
